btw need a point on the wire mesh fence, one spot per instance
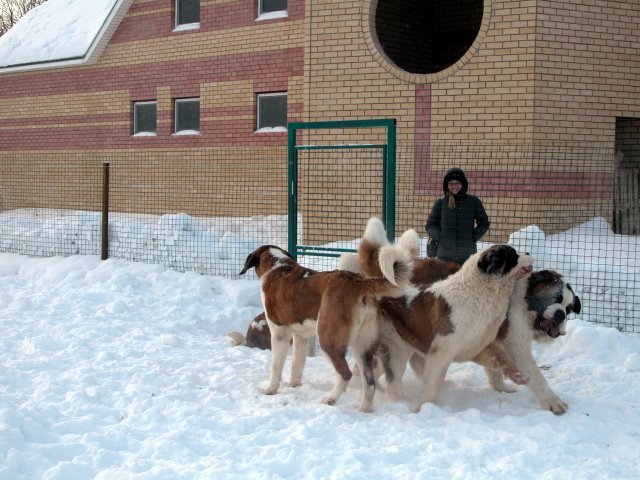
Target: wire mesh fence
(205, 210)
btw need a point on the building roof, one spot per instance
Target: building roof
(61, 33)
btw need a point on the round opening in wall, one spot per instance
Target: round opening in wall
(426, 36)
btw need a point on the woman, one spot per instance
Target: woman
(458, 220)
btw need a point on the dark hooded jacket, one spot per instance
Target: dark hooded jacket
(457, 230)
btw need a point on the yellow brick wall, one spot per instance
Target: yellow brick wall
(538, 72)
(587, 66)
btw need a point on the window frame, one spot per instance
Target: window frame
(184, 26)
(185, 131)
(144, 133)
(259, 96)
(271, 14)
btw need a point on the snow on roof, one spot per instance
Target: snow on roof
(60, 32)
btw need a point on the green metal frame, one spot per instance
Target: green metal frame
(388, 181)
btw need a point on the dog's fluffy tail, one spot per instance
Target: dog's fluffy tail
(237, 339)
(374, 237)
(410, 240)
(396, 265)
(375, 232)
(349, 262)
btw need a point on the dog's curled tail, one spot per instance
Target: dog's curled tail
(410, 240)
(396, 265)
(349, 262)
(237, 339)
(375, 232)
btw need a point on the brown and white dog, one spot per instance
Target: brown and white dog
(537, 311)
(453, 320)
(425, 272)
(343, 307)
(258, 336)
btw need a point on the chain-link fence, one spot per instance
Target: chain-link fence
(206, 210)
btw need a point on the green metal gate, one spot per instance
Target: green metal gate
(383, 154)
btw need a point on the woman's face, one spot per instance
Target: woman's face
(454, 186)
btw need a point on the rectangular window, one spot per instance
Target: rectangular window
(270, 6)
(272, 111)
(187, 13)
(144, 118)
(188, 116)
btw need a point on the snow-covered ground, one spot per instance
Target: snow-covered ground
(122, 370)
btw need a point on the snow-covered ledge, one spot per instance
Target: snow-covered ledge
(271, 129)
(187, 26)
(272, 15)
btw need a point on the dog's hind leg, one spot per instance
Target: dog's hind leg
(311, 346)
(365, 364)
(343, 375)
(300, 349)
(394, 370)
(280, 337)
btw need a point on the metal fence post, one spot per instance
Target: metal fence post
(105, 210)
(292, 194)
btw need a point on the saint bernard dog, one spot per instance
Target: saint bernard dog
(538, 312)
(343, 307)
(453, 320)
(258, 336)
(538, 308)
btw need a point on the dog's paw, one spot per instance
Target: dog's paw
(328, 401)
(504, 388)
(270, 390)
(394, 394)
(519, 378)
(555, 404)
(498, 384)
(396, 397)
(293, 383)
(559, 408)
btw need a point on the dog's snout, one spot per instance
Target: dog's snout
(527, 269)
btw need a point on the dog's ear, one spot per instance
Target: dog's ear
(492, 261)
(577, 305)
(252, 261)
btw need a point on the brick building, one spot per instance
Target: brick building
(505, 76)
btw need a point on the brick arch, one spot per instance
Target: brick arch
(368, 18)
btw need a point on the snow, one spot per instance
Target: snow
(123, 370)
(272, 15)
(37, 36)
(187, 26)
(187, 132)
(271, 129)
